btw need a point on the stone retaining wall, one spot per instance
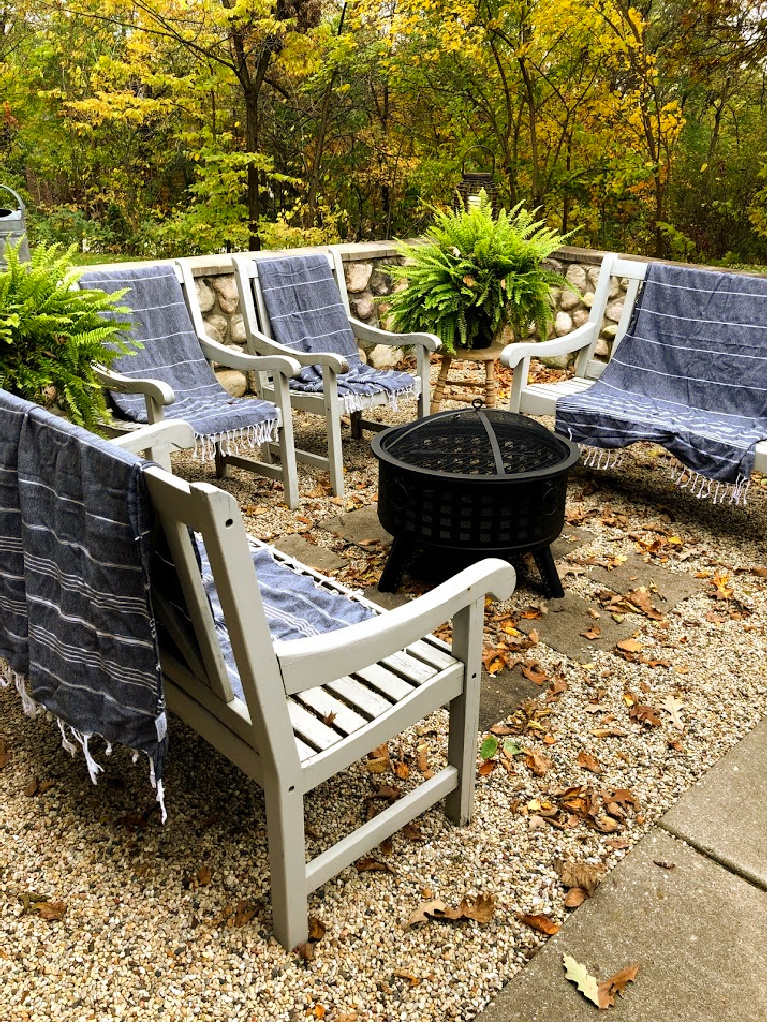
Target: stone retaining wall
(367, 280)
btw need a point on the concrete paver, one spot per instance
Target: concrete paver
(698, 932)
(725, 815)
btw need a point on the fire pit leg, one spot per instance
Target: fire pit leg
(391, 576)
(547, 568)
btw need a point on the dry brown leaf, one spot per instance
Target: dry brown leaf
(538, 763)
(535, 673)
(544, 924)
(673, 706)
(610, 988)
(51, 910)
(401, 769)
(645, 715)
(378, 764)
(422, 757)
(664, 864)
(246, 910)
(412, 980)
(575, 897)
(592, 633)
(32, 788)
(583, 876)
(589, 762)
(487, 766)
(413, 832)
(386, 847)
(482, 910)
(371, 865)
(629, 646)
(328, 718)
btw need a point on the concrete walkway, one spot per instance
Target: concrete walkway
(698, 931)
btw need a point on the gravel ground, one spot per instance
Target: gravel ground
(173, 921)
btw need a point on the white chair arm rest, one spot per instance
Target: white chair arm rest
(174, 432)
(160, 392)
(266, 346)
(513, 354)
(377, 335)
(242, 360)
(320, 658)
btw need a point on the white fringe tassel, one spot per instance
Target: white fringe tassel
(701, 487)
(231, 441)
(359, 402)
(602, 458)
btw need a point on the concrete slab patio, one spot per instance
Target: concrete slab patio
(693, 918)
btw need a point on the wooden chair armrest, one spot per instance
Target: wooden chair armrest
(318, 659)
(266, 346)
(377, 335)
(160, 392)
(288, 366)
(173, 432)
(581, 338)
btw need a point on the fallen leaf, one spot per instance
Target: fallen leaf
(629, 645)
(664, 864)
(246, 910)
(51, 910)
(610, 988)
(487, 766)
(538, 763)
(401, 770)
(672, 706)
(592, 633)
(328, 718)
(589, 762)
(32, 788)
(575, 897)
(544, 924)
(370, 865)
(579, 974)
(583, 876)
(482, 910)
(204, 875)
(535, 673)
(386, 847)
(645, 715)
(413, 832)
(412, 980)
(489, 747)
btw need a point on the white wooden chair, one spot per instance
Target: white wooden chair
(376, 677)
(159, 396)
(541, 398)
(260, 339)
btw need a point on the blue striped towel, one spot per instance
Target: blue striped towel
(172, 354)
(307, 315)
(690, 374)
(81, 534)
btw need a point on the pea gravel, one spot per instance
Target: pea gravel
(174, 921)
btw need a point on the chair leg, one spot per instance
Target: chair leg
(356, 425)
(287, 862)
(222, 468)
(464, 712)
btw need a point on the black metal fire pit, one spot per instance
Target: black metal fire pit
(482, 481)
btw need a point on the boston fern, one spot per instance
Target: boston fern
(51, 334)
(475, 275)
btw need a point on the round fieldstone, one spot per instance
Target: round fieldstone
(362, 308)
(614, 311)
(563, 324)
(233, 381)
(237, 328)
(602, 348)
(206, 296)
(226, 289)
(217, 326)
(592, 275)
(382, 356)
(569, 300)
(580, 316)
(357, 276)
(381, 282)
(576, 275)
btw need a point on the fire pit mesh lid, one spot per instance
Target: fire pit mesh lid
(484, 442)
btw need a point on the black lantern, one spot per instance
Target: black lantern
(474, 182)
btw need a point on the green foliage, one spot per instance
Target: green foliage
(476, 275)
(51, 335)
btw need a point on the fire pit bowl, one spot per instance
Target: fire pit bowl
(479, 481)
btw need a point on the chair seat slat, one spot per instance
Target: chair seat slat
(428, 650)
(309, 728)
(413, 669)
(323, 703)
(385, 681)
(358, 696)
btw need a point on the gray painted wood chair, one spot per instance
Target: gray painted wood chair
(294, 712)
(170, 377)
(263, 337)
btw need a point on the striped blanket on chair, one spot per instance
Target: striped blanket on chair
(306, 314)
(690, 375)
(77, 620)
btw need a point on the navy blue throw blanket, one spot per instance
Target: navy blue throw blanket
(690, 375)
(172, 354)
(306, 314)
(81, 530)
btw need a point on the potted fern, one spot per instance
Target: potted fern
(52, 335)
(475, 275)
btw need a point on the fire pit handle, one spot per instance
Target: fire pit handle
(477, 405)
